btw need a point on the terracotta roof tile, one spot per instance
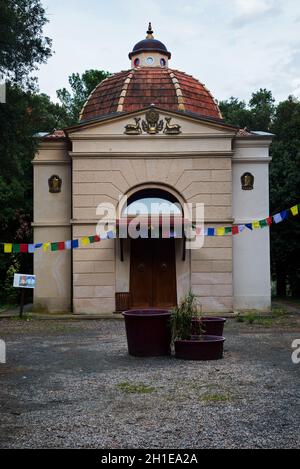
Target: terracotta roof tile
(133, 90)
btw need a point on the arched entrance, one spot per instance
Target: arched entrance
(153, 260)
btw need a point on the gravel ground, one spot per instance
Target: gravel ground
(71, 384)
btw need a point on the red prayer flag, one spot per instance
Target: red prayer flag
(23, 247)
(270, 220)
(61, 246)
(235, 230)
(97, 239)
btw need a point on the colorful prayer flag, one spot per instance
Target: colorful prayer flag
(85, 241)
(61, 246)
(256, 225)
(210, 232)
(46, 246)
(263, 223)
(277, 218)
(75, 244)
(8, 248)
(228, 230)
(16, 248)
(31, 248)
(54, 247)
(235, 230)
(295, 210)
(220, 231)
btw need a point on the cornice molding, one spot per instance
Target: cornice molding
(250, 159)
(147, 137)
(51, 162)
(139, 155)
(50, 224)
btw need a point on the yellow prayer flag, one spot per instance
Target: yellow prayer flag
(295, 210)
(85, 241)
(46, 246)
(220, 231)
(256, 225)
(7, 248)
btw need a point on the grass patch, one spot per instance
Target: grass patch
(216, 398)
(253, 317)
(131, 388)
(25, 317)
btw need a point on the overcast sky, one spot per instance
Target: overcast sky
(233, 46)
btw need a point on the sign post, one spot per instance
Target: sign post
(23, 281)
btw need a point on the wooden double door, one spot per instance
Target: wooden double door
(153, 273)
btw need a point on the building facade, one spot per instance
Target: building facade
(151, 132)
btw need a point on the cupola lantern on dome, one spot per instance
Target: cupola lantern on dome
(149, 52)
(150, 81)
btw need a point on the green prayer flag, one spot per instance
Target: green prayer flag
(228, 229)
(92, 239)
(54, 246)
(263, 223)
(16, 248)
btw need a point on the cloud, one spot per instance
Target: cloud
(248, 11)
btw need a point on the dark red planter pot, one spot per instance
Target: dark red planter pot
(207, 348)
(148, 332)
(210, 325)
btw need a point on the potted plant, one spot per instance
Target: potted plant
(190, 341)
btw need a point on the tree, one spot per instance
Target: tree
(235, 112)
(22, 48)
(285, 192)
(24, 114)
(262, 110)
(257, 115)
(22, 44)
(81, 88)
(283, 120)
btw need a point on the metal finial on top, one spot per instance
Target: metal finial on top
(150, 32)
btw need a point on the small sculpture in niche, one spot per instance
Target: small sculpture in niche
(134, 129)
(247, 182)
(55, 184)
(171, 129)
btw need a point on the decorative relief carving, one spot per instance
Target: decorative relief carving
(133, 129)
(247, 182)
(171, 129)
(55, 184)
(153, 125)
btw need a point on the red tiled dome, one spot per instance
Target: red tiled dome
(136, 89)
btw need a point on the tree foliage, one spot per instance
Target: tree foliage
(285, 192)
(257, 115)
(22, 43)
(22, 48)
(283, 120)
(81, 87)
(24, 114)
